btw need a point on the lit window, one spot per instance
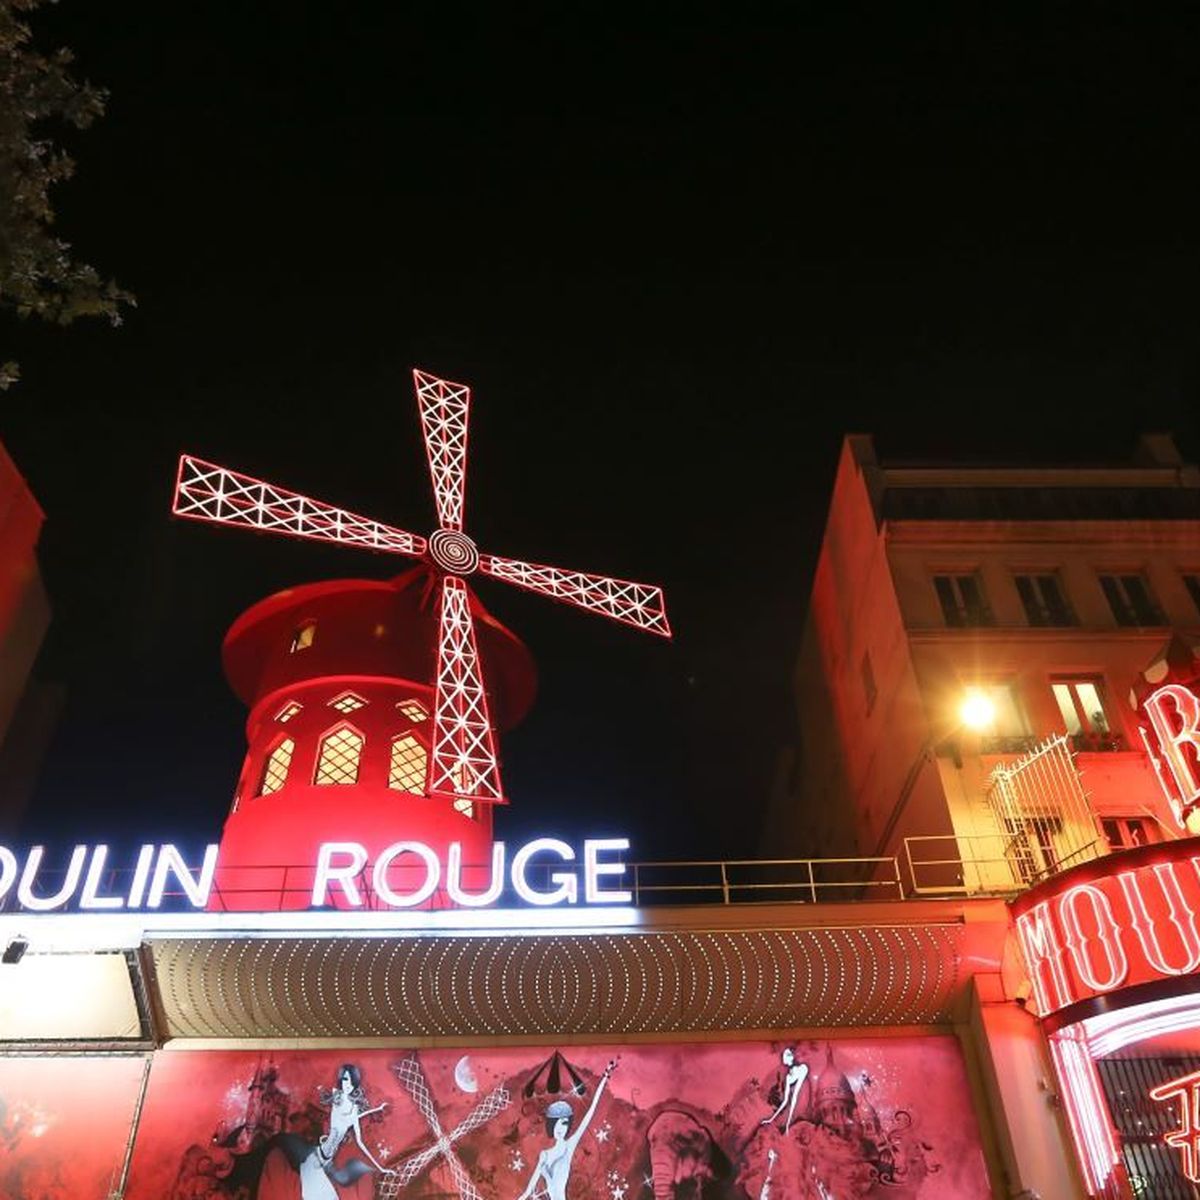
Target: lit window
(465, 780)
(303, 637)
(1130, 599)
(414, 710)
(1082, 708)
(961, 598)
(406, 771)
(348, 703)
(1043, 600)
(340, 752)
(1191, 581)
(287, 712)
(276, 771)
(1123, 833)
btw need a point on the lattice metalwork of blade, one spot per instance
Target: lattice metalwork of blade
(638, 604)
(410, 1074)
(204, 492)
(464, 750)
(445, 408)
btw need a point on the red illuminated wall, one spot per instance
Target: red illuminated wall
(874, 1117)
(64, 1125)
(24, 611)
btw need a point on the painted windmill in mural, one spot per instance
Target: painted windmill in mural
(463, 759)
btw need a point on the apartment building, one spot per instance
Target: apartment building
(964, 681)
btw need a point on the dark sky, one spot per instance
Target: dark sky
(676, 255)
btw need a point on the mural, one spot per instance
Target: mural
(842, 1120)
(64, 1125)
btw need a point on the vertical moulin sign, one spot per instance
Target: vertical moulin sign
(446, 639)
(1167, 700)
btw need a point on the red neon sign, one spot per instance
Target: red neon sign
(1127, 919)
(1173, 743)
(1186, 1139)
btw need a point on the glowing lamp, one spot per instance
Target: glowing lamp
(977, 711)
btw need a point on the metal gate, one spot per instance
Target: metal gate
(1153, 1167)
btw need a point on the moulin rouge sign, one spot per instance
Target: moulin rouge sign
(543, 872)
(1114, 923)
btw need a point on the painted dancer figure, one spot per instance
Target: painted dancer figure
(313, 1162)
(797, 1073)
(553, 1166)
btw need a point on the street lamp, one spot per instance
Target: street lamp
(977, 710)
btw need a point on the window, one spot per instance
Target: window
(1191, 581)
(464, 781)
(414, 710)
(1123, 833)
(347, 703)
(868, 680)
(1043, 600)
(276, 771)
(1130, 600)
(961, 598)
(406, 770)
(1081, 705)
(338, 761)
(287, 712)
(303, 637)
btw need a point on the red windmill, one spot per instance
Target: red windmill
(463, 767)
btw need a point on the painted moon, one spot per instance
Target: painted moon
(464, 1076)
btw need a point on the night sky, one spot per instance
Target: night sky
(677, 258)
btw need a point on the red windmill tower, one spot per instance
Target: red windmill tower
(370, 718)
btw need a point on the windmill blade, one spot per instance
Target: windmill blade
(205, 492)
(497, 1101)
(638, 604)
(445, 408)
(464, 749)
(465, 1184)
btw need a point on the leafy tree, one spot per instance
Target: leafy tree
(39, 277)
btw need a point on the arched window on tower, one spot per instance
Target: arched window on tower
(275, 772)
(406, 769)
(303, 637)
(338, 761)
(464, 780)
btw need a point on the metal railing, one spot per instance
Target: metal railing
(764, 881)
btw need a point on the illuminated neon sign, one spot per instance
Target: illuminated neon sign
(1121, 921)
(542, 873)
(1186, 1139)
(1172, 740)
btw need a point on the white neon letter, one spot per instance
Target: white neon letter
(568, 886)
(170, 862)
(45, 903)
(433, 871)
(1179, 915)
(91, 884)
(1039, 944)
(8, 870)
(141, 876)
(1172, 741)
(454, 878)
(343, 876)
(1108, 936)
(592, 870)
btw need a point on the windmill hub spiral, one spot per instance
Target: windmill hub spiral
(453, 552)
